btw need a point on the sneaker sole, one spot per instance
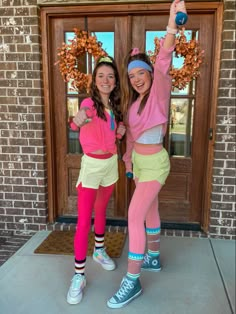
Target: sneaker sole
(77, 300)
(151, 269)
(120, 305)
(73, 301)
(104, 266)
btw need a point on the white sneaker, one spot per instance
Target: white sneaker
(75, 293)
(100, 256)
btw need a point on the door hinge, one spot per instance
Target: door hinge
(210, 134)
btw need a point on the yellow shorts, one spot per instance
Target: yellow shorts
(95, 172)
(151, 167)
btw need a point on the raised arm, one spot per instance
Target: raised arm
(172, 28)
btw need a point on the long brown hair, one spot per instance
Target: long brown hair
(129, 95)
(115, 94)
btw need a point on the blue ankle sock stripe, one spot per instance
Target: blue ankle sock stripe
(153, 230)
(135, 256)
(153, 253)
(133, 276)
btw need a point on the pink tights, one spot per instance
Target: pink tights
(89, 199)
(143, 207)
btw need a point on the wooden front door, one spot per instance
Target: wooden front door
(181, 199)
(66, 102)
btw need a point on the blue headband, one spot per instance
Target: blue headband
(139, 64)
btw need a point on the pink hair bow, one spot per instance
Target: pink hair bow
(134, 51)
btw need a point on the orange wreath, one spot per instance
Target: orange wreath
(70, 58)
(193, 58)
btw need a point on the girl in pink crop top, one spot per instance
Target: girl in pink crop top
(97, 120)
(146, 92)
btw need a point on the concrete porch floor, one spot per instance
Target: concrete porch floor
(198, 277)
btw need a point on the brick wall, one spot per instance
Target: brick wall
(23, 176)
(22, 141)
(223, 220)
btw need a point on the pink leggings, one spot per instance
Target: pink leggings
(89, 199)
(143, 207)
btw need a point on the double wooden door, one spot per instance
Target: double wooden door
(181, 199)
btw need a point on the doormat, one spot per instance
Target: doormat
(62, 242)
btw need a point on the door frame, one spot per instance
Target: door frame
(47, 13)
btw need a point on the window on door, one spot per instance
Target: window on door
(73, 97)
(179, 137)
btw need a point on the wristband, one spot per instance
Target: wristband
(172, 31)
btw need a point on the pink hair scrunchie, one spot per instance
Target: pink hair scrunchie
(134, 51)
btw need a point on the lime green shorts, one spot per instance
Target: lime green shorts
(95, 172)
(151, 167)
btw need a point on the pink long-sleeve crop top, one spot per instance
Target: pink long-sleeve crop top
(156, 110)
(97, 134)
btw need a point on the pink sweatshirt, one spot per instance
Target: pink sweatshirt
(96, 134)
(156, 111)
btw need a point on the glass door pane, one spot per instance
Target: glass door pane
(179, 137)
(73, 97)
(181, 124)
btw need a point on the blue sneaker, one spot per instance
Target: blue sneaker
(129, 290)
(75, 293)
(151, 263)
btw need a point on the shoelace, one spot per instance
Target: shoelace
(147, 259)
(76, 280)
(103, 253)
(126, 286)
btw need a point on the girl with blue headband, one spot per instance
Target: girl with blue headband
(146, 98)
